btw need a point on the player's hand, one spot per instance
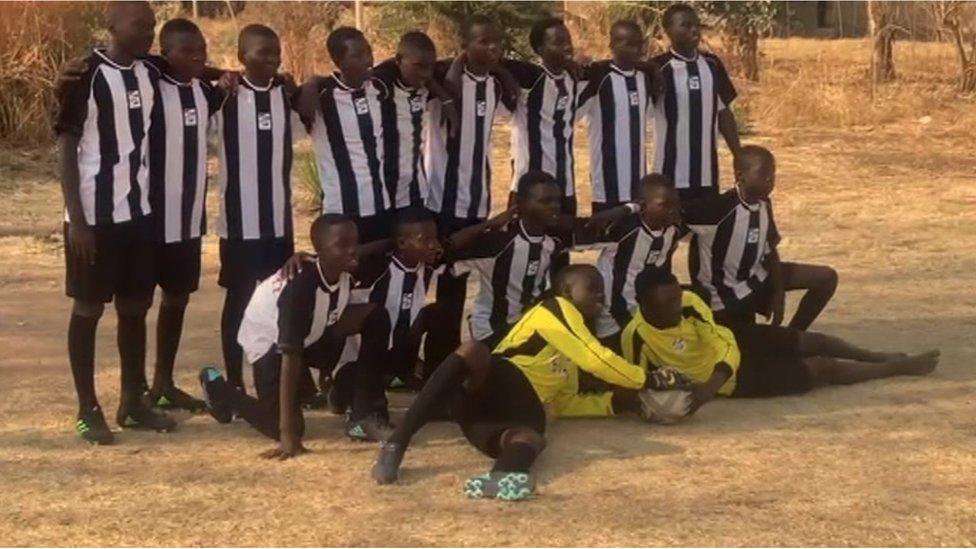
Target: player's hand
(502, 220)
(295, 264)
(71, 72)
(451, 117)
(81, 239)
(778, 308)
(287, 449)
(289, 82)
(230, 81)
(701, 393)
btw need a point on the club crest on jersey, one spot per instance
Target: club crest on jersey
(264, 120)
(694, 83)
(532, 268)
(135, 99)
(634, 98)
(562, 102)
(362, 105)
(652, 257)
(481, 108)
(679, 345)
(753, 236)
(190, 117)
(416, 104)
(406, 302)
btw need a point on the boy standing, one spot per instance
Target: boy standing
(697, 98)
(733, 258)
(255, 221)
(458, 160)
(101, 126)
(615, 103)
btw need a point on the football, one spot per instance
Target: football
(664, 407)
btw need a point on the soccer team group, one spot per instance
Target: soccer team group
(403, 156)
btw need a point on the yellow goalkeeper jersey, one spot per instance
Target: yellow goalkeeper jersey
(549, 343)
(693, 347)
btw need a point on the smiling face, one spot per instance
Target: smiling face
(556, 50)
(684, 32)
(483, 45)
(261, 56)
(416, 66)
(583, 286)
(355, 63)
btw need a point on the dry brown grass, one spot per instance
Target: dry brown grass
(885, 199)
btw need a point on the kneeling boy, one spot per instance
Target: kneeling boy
(289, 325)
(500, 398)
(674, 328)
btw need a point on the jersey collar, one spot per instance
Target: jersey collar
(343, 85)
(474, 76)
(653, 232)
(176, 82)
(683, 58)
(617, 69)
(562, 74)
(255, 87)
(325, 285)
(525, 234)
(751, 207)
(101, 53)
(399, 265)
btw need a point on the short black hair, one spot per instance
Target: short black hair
(537, 34)
(325, 222)
(571, 273)
(416, 40)
(173, 28)
(657, 180)
(336, 42)
(255, 30)
(629, 24)
(750, 155)
(531, 179)
(651, 278)
(476, 20)
(409, 216)
(673, 10)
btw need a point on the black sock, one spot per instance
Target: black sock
(132, 353)
(442, 385)
(369, 395)
(263, 417)
(515, 457)
(81, 355)
(230, 322)
(169, 329)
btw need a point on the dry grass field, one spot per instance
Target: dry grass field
(882, 189)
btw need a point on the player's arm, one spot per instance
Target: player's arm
(775, 267)
(307, 100)
(449, 109)
(290, 444)
(726, 95)
(579, 345)
(80, 235)
(729, 130)
(510, 86)
(467, 237)
(587, 231)
(725, 352)
(452, 78)
(702, 393)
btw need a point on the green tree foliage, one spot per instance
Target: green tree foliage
(742, 24)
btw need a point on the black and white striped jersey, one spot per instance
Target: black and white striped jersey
(178, 156)
(348, 140)
(109, 108)
(459, 168)
(291, 315)
(685, 118)
(628, 247)
(402, 290)
(542, 135)
(404, 114)
(615, 104)
(255, 135)
(512, 267)
(729, 246)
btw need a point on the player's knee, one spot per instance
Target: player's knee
(827, 279)
(176, 301)
(132, 307)
(474, 353)
(524, 435)
(88, 309)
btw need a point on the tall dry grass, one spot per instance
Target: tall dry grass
(35, 39)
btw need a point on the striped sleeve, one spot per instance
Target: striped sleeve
(73, 102)
(568, 334)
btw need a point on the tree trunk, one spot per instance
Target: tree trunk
(748, 44)
(883, 33)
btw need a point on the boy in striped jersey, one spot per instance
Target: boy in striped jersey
(291, 324)
(697, 97)
(458, 160)
(101, 125)
(615, 103)
(177, 185)
(733, 259)
(501, 398)
(255, 147)
(545, 117)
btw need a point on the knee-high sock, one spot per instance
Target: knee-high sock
(443, 384)
(81, 356)
(132, 353)
(450, 313)
(368, 394)
(169, 329)
(235, 301)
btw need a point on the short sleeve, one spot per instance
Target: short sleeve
(215, 97)
(386, 72)
(594, 77)
(526, 74)
(723, 83)
(295, 310)
(73, 103)
(772, 237)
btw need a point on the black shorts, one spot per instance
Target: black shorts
(178, 266)
(245, 262)
(771, 364)
(124, 264)
(505, 400)
(374, 227)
